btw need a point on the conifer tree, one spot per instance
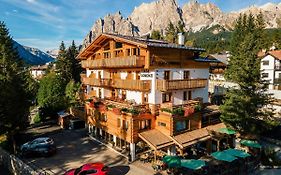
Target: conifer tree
(155, 34)
(243, 107)
(63, 65)
(17, 91)
(75, 67)
(171, 33)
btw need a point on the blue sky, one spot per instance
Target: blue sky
(45, 23)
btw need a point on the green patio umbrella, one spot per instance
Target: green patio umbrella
(250, 143)
(237, 153)
(172, 161)
(226, 131)
(192, 164)
(223, 156)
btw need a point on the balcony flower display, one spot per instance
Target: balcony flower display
(188, 111)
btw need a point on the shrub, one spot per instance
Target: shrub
(166, 110)
(178, 111)
(37, 118)
(111, 106)
(197, 108)
(134, 111)
(124, 110)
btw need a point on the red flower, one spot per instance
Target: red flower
(188, 111)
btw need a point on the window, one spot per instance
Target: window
(125, 124)
(186, 75)
(103, 117)
(128, 52)
(189, 95)
(184, 95)
(118, 122)
(182, 125)
(264, 75)
(166, 97)
(265, 63)
(118, 45)
(145, 98)
(161, 124)
(106, 55)
(144, 124)
(167, 75)
(136, 51)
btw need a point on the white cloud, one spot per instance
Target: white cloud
(31, 1)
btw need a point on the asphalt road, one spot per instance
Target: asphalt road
(75, 148)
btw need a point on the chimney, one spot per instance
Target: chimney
(180, 39)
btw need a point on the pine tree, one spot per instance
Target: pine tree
(243, 107)
(155, 34)
(171, 33)
(63, 65)
(75, 67)
(17, 91)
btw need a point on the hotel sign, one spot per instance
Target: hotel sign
(146, 76)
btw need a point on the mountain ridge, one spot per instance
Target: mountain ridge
(32, 56)
(195, 16)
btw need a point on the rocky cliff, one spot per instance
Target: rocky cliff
(195, 16)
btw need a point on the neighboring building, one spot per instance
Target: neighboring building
(271, 69)
(38, 72)
(139, 90)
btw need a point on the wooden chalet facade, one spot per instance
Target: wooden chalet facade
(139, 90)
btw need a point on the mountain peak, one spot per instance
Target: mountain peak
(195, 16)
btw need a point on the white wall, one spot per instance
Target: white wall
(176, 74)
(268, 68)
(134, 95)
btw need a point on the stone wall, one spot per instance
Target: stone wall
(14, 164)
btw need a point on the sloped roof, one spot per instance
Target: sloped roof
(221, 57)
(192, 137)
(142, 42)
(275, 53)
(156, 139)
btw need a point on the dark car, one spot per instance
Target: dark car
(89, 169)
(43, 146)
(76, 124)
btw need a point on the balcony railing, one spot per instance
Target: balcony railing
(137, 85)
(118, 62)
(166, 85)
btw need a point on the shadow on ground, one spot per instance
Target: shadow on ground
(119, 170)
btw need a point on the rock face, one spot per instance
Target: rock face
(158, 14)
(111, 24)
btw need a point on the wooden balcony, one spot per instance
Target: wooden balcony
(137, 85)
(118, 62)
(167, 85)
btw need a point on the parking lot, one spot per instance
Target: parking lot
(75, 148)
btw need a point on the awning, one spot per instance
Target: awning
(156, 139)
(237, 153)
(172, 161)
(226, 131)
(189, 138)
(250, 143)
(223, 156)
(192, 164)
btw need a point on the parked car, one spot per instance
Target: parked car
(76, 124)
(43, 146)
(89, 169)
